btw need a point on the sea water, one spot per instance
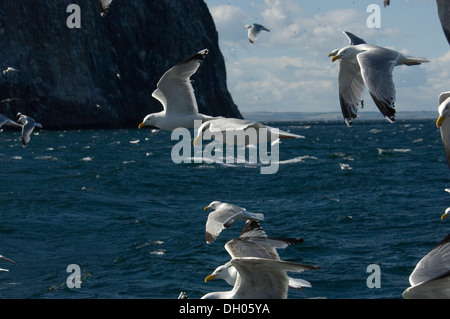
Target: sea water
(367, 201)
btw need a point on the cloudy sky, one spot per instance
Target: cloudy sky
(288, 69)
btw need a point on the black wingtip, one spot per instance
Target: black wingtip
(199, 56)
(386, 108)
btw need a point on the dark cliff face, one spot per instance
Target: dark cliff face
(102, 75)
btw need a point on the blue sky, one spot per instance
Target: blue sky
(288, 69)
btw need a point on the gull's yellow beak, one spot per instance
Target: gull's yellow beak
(440, 120)
(142, 125)
(330, 54)
(444, 216)
(335, 58)
(206, 208)
(210, 277)
(196, 140)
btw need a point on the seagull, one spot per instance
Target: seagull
(223, 216)
(430, 278)
(254, 30)
(28, 125)
(221, 127)
(7, 121)
(444, 15)
(443, 124)
(258, 278)
(176, 94)
(370, 65)
(8, 260)
(352, 40)
(103, 6)
(254, 242)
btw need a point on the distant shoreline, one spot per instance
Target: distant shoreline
(332, 116)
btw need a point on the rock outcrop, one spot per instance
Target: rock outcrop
(102, 74)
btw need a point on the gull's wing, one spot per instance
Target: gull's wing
(265, 247)
(445, 136)
(242, 247)
(218, 220)
(264, 278)
(443, 96)
(222, 124)
(431, 276)
(353, 39)
(444, 15)
(376, 69)
(175, 90)
(7, 259)
(351, 89)
(7, 121)
(103, 6)
(252, 228)
(434, 265)
(436, 289)
(444, 123)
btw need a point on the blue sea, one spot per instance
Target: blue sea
(115, 205)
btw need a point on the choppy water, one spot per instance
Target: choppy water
(114, 203)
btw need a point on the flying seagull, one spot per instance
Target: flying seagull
(223, 216)
(176, 94)
(28, 125)
(254, 242)
(372, 66)
(226, 129)
(253, 31)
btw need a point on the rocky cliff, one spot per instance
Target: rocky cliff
(102, 73)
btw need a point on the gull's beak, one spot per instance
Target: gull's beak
(330, 54)
(142, 125)
(210, 277)
(196, 140)
(206, 208)
(335, 58)
(440, 120)
(444, 216)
